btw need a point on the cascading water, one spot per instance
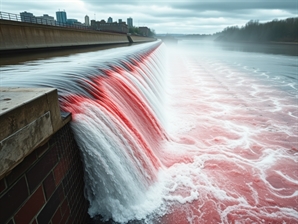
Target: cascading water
(115, 97)
(120, 119)
(190, 142)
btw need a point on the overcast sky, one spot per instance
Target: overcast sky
(164, 16)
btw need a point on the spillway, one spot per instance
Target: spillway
(168, 135)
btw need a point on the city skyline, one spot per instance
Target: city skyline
(61, 17)
(190, 16)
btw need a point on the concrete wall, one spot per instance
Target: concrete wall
(41, 173)
(20, 35)
(28, 117)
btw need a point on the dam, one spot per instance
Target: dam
(15, 35)
(150, 133)
(41, 168)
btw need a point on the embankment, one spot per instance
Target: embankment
(21, 36)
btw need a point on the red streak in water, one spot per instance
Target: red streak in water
(124, 102)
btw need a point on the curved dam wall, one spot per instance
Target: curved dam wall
(19, 36)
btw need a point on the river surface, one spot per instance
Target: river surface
(210, 138)
(233, 114)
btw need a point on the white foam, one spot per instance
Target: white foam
(224, 143)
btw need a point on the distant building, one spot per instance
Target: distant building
(119, 20)
(129, 22)
(27, 17)
(46, 20)
(73, 22)
(30, 18)
(144, 31)
(110, 20)
(111, 27)
(87, 23)
(93, 23)
(61, 17)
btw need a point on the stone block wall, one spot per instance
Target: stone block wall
(47, 186)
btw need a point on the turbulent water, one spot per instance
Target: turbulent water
(193, 133)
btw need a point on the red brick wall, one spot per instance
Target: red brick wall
(47, 186)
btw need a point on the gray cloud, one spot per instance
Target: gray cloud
(165, 16)
(237, 5)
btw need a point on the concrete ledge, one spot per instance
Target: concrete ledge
(140, 39)
(28, 117)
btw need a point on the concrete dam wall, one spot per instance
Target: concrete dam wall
(41, 172)
(20, 36)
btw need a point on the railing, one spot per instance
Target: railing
(10, 16)
(42, 21)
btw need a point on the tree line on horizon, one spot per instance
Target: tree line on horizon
(274, 31)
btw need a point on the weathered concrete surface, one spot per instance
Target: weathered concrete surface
(28, 116)
(20, 36)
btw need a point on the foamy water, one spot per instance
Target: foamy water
(233, 155)
(179, 135)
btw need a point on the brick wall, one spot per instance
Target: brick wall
(47, 186)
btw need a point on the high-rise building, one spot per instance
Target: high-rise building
(119, 20)
(61, 17)
(110, 20)
(87, 23)
(129, 22)
(27, 17)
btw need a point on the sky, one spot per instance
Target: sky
(164, 16)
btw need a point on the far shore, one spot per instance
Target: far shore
(282, 42)
(264, 42)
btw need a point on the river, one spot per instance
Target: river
(198, 132)
(233, 114)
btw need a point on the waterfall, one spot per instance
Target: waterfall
(119, 133)
(115, 97)
(177, 135)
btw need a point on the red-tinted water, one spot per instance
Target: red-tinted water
(226, 152)
(233, 156)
